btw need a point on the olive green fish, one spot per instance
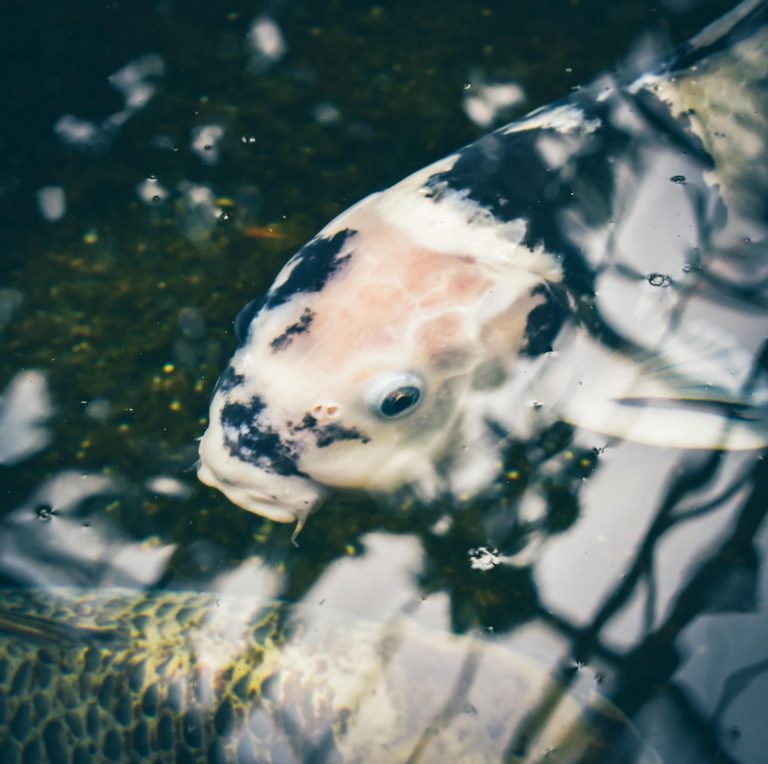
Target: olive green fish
(127, 676)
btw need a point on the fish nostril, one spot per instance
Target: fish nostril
(325, 411)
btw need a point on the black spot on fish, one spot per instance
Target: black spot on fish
(300, 327)
(507, 174)
(42, 705)
(141, 738)
(55, 742)
(308, 423)
(330, 433)
(224, 718)
(149, 700)
(165, 736)
(74, 723)
(193, 728)
(502, 173)
(545, 322)
(228, 380)
(21, 723)
(245, 317)
(92, 722)
(32, 753)
(313, 265)
(255, 443)
(112, 747)
(124, 710)
(236, 413)
(106, 692)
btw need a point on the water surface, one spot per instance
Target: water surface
(160, 163)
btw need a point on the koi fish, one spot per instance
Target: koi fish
(116, 675)
(591, 263)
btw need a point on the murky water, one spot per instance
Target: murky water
(160, 163)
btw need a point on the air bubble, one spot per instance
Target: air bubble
(658, 279)
(44, 512)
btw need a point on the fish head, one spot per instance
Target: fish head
(356, 369)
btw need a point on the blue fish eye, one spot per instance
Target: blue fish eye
(395, 395)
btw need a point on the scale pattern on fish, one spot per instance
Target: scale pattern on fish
(570, 266)
(92, 676)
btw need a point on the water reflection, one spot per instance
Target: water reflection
(633, 572)
(62, 535)
(136, 82)
(25, 408)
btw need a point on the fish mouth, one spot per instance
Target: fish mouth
(287, 502)
(284, 499)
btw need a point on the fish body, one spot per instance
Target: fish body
(540, 273)
(111, 675)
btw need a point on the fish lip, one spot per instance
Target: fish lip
(301, 496)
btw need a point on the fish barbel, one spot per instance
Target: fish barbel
(565, 267)
(114, 675)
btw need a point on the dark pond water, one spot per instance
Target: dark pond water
(160, 162)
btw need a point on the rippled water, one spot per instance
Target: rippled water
(160, 163)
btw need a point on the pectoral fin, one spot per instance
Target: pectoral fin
(675, 424)
(688, 394)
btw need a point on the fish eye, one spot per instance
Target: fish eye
(395, 395)
(245, 318)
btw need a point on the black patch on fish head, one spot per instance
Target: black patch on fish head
(502, 173)
(255, 442)
(300, 327)
(507, 175)
(228, 380)
(326, 434)
(545, 321)
(244, 319)
(313, 265)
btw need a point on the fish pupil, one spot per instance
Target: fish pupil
(399, 401)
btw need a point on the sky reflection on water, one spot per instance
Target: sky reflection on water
(161, 184)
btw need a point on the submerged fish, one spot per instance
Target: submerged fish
(574, 265)
(89, 676)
